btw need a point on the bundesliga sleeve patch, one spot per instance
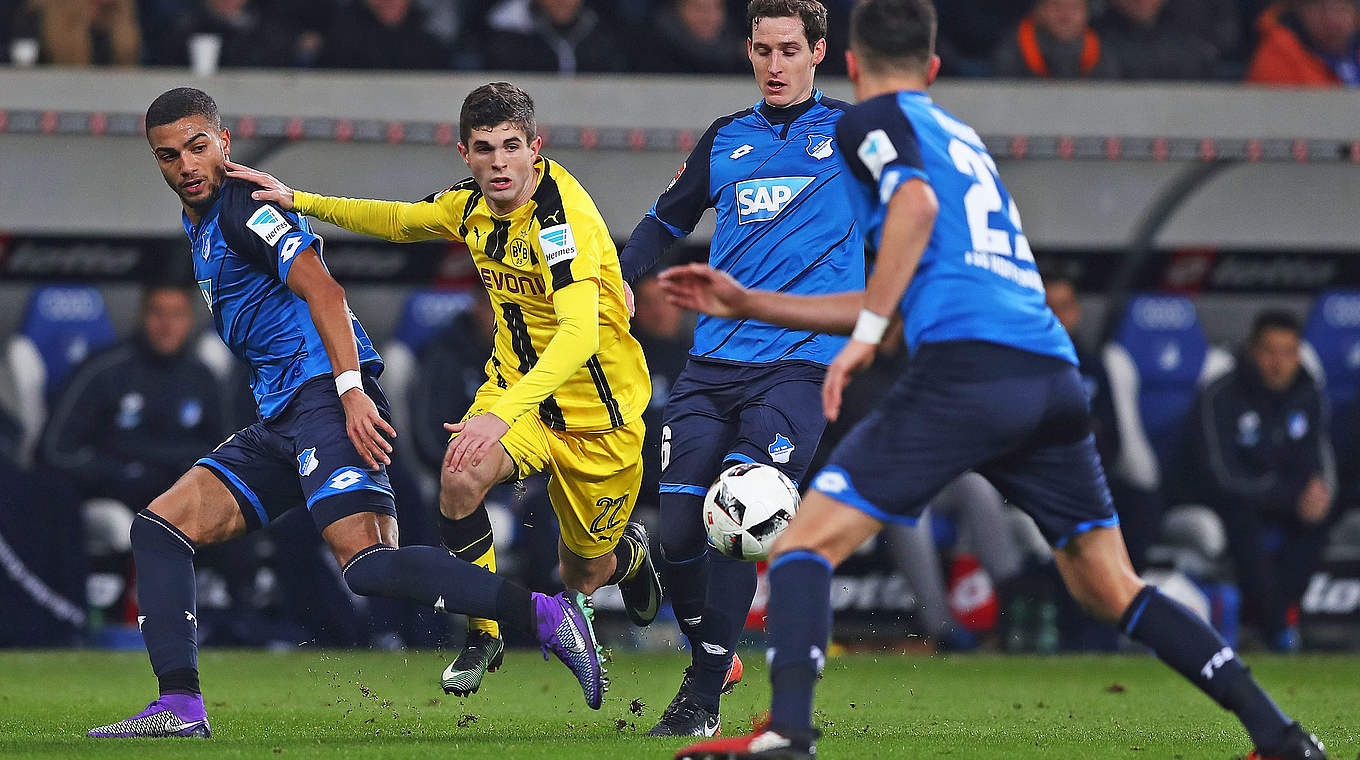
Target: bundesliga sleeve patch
(268, 224)
(876, 151)
(557, 243)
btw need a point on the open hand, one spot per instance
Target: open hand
(271, 189)
(366, 428)
(855, 356)
(475, 438)
(702, 288)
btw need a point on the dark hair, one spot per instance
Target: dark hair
(810, 12)
(493, 104)
(179, 103)
(893, 34)
(1274, 319)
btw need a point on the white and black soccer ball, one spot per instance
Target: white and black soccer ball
(747, 508)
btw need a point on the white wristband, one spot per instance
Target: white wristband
(870, 328)
(348, 381)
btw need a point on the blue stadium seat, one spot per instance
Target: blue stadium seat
(62, 325)
(1332, 335)
(1157, 361)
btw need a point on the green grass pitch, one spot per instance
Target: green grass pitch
(370, 705)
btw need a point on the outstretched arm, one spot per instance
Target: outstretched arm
(906, 231)
(700, 287)
(390, 220)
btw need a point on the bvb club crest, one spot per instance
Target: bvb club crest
(519, 253)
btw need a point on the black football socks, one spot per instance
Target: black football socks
(1195, 650)
(166, 596)
(799, 626)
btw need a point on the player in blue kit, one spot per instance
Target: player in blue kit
(749, 392)
(992, 387)
(322, 438)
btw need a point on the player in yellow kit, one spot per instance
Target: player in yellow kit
(567, 383)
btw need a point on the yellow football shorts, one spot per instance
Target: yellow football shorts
(594, 477)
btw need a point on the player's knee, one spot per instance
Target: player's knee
(153, 533)
(461, 491)
(682, 533)
(367, 573)
(1105, 602)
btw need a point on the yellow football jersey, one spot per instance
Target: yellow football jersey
(555, 239)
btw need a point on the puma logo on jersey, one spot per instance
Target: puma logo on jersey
(760, 200)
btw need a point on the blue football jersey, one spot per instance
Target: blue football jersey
(977, 279)
(782, 223)
(243, 250)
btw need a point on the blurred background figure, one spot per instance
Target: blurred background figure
(1055, 41)
(129, 421)
(1308, 42)
(695, 37)
(1258, 452)
(382, 34)
(666, 334)
(85, 32)
(1147, 41)
(565, 36)
(246, 37)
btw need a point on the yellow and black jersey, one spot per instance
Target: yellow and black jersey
(525, 259)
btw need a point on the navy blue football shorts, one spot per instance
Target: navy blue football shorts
(1019, 419)
(303, 456)
(717, 412)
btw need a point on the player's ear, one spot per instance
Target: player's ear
(537, 145)
(933, 69)
(851, 66)
(818, 51)
(463, 151)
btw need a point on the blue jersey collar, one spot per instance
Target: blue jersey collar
(811, 103)
(192, 230)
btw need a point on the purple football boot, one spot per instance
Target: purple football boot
(170, 715)
(564, 629)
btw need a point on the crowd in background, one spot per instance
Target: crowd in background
(1294, 42)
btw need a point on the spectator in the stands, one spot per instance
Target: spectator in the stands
(1258, 452)
(1148, 42)
(564, 36)
(249, 37)
(1055, 41)
(382, 34)
(1308, 42)
(695, 37)
(970, 32)
(130, 420)
(85, 32)
(666, 334)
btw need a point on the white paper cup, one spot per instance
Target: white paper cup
(204, 50)
(23, 52)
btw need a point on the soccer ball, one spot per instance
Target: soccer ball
(747, 508)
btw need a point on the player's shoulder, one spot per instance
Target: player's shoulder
(461, 188)
(833, 104)
(235, 204)
(722, 122)
(559, 188)
(874, 113)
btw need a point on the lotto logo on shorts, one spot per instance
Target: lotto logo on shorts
(345, 479)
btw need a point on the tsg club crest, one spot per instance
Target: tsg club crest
(820, 146)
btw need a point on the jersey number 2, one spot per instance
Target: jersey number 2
(984, 199)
